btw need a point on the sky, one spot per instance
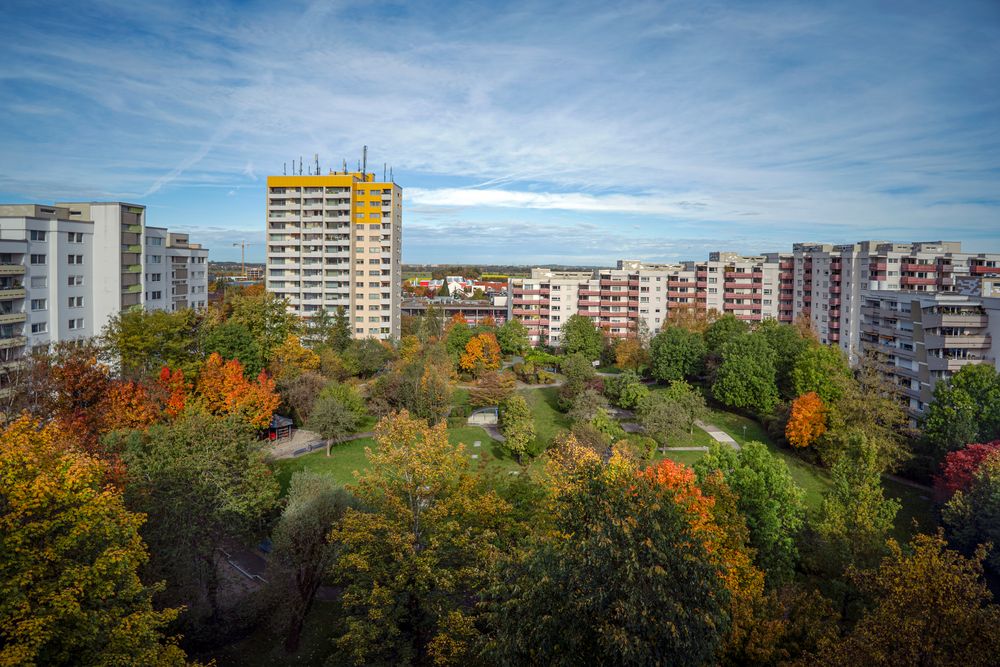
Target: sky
(530, 133)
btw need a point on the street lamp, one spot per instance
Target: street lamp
(744, 431)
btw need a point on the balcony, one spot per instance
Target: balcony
(131, 289)
(12, 293)
(14, 341)
(909, 266)
(12, 318)
(911, 280)
(11, 269)
(615, 283)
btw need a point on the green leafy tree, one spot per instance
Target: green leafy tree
(265, 316)
(746, 377)
(768, 498)
(625, 390)
(457, 337)
(513, 337)
(142, 342)
(579, 335)
(855, 519)
(676, 354)
(417, 558)
(201, 480)
(70, 554)
(690, 400)
(517, 425)
(340, 332)
(232, 340)
(586, 405)
(623, 579)
(965, 409)
(930, 607)
(787, 343)
(662, 418)
(723, 331)
(338, 412)
(443, 290)
(365, 357)
(822, 369)
(302, 552)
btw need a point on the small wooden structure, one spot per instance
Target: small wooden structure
(279, 428)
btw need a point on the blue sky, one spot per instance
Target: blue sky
(523, 132)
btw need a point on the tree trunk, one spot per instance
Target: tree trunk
(329, 442)
(212, 586)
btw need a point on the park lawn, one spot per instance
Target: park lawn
(915, 505)
(460, 396)
(348, 457)
(548, 420)
(687, 458)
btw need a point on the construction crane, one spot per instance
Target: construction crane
(243, 257)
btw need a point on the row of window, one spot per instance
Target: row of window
(43, 327)
(38, 235)
(43, 304)
(41, 259)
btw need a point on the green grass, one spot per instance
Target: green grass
(687, 458)
(460, 396)
(548, 420)
(915, 506)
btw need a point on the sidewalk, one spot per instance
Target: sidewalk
(718, 434)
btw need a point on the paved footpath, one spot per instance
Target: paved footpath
(718, 434)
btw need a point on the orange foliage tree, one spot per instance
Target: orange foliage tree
(127, 405)
(175, 391)
(807, 421)
(482, 354)
(224, 390)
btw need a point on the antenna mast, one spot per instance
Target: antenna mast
(364, 165)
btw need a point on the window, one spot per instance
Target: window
(38, 304)
(154, 259)
(76, 302)
(76, 324)
(157, 295)
(75, 259)
(36, 235)
(155, 277)
(75, 237)
(38, 282)
(75, 281)
(154, 240)
(38, 259)
(39, 327)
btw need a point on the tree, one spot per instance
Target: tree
(586, 405)
(338, 412)
(579, 335)
(972, 516)
(930, 607)
(457, 335)
(301, 551)
(492, 389)
(265, 316)
(366, 357)
(768, 498)
(821, 369)
(200, 479)
(677, 354)
(723, 331)
(127, 405)
(174, 390)
(299, 394)
(579, 375)
(141, 342)
(513, 337)
(959, 468)
(965, 409)
(625, 390)
(661, 418)
(624, 578)
(291, 359)
(482, 354)
(70, 553)
(631, 354)
(416, 559)
(689, 400)
(746, 377)
(788, 344)
(808, 420)
(223, 389)
(855, 519)
(517, 425)
(433, 398)
(232, 340)
(443, 290)
(340, 332)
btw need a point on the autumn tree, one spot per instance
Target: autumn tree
(631, 354)
(677, 353)
(223, 389)
(746, 376)
(807, 421)
(579, 335)
(201, 479)
(140, 342)
(492, 389)
(965, 409)
(418, 555)
(173, 391)
(70, 554)
(959, 468)
(302, 552)
(972, 516)
(517, 425)
(624, 578)
(433, 398)
(482, 354)
(127, 405)
(768, 498)
(291, 359)
(930, 607)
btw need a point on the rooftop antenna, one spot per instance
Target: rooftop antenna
(300, 165)
(391, 179)
(364, 167)
(345, 166)
(316, 158)
(383, 172)
(284, 169)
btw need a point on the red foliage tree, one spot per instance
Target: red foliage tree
(960, 467)
(174, 391)
(224, 389)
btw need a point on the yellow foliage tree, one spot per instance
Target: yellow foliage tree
(291, 359)
(225, 390)
(482, 354)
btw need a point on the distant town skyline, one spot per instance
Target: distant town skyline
(521, 133)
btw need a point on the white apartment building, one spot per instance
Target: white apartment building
(176, 271)
(335, 241)
(923, 338)
(66, 269)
